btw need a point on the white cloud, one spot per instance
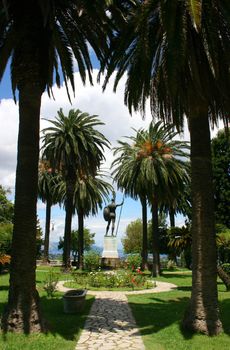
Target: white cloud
(110, 109)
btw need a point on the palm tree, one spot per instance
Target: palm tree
(32, 33)
(151, 166)
(177, 54)
(90, 193)
(131, 183)
(74, 147)
(47, 181)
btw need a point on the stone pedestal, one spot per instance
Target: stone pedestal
(110, 248)
(110, 258)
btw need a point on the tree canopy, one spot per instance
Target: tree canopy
(221, 175)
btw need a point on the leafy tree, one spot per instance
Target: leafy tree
(176, 54)
(40, 39)
(6, 207)
(132, 241)
(221, 176)
(88, 241)
(74, 147)
(6, 230)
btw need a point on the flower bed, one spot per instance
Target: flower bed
(122, 280)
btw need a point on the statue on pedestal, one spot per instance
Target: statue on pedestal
(110, 215)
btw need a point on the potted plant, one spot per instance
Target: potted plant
(74, 300)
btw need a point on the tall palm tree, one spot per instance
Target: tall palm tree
(151, 165)
(90, 193)
(177, 54)
(131, 183)
(40, 38)
(47, 182)
(73, 146)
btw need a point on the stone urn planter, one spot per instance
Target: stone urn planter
(74, 301)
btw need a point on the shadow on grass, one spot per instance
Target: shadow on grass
(59, 323)
(66, 325)
(185, 288)
(156, 314)
(175, 275)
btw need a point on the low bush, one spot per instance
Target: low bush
(133, 261)
(50, 285)
(4, 261)
(112, 279)
(92, 260)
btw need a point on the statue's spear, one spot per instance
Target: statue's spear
(120, 215)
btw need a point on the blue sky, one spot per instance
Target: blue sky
(118, 123)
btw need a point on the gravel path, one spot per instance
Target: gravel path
(110, 324)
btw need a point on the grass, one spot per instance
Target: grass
(159, 316)
(64, 329)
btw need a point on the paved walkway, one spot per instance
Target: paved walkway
(110, 324)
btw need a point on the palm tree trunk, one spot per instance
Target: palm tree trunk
(144, 234)
(172, 255)
(47, 231)
(80, 238)
(155, 239)
(203, 312)
(70, 186)
(22, 313)
(225, 278)
(172, 217)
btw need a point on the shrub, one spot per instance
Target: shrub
(92, 260)
(50, 285)
(4, 261)
(133, 261)
(118, 279)
(226, 268)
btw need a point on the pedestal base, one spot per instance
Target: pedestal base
(110, 248)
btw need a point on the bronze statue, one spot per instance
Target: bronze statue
(110, 215)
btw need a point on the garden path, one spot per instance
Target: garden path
(110, 324)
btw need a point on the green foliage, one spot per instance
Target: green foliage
(132, 241)
(50, 285)
(88, 240)
(112, 279)
(6, 231)
(223, 243)
(133, 261)
(226, 268)
(92, 260)
(6, 207)
(221, 175)
(180, 242)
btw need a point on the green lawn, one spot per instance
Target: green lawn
(64, 329)
(159, 315)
